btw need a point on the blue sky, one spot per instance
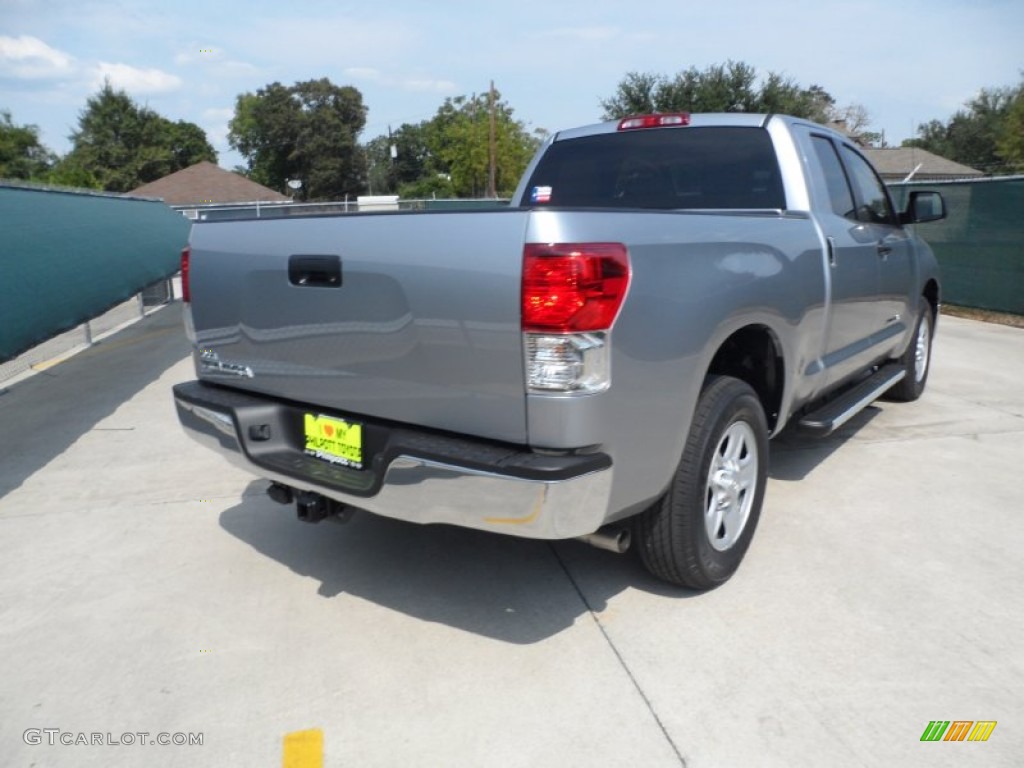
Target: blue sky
(906, 61)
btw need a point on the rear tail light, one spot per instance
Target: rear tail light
(572, 293)
(570, 287)
(654, 121)
(186, 258)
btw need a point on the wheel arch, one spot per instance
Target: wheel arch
(932, 295)
(754, 354)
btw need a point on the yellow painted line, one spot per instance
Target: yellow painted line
(49, 363)
(304, 749)
(99, 346)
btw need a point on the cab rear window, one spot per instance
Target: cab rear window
(664, 168)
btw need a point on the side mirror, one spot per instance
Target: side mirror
(922, 207)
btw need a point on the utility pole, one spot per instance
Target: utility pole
(392, 166)
(492, 181)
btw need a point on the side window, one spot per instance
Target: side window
(872, 200)
(835, 178)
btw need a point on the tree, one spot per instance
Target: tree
(449, 155)
(122, 145)
(1010, 143)
(187, 144)
(69, 172)
(307, 131)
(729, 87)
(984, 135)
(22, 155)
(855, 119)
(638, 93)
(412, 160)
(437, 186)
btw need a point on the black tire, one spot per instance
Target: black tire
(916, 361)
(672, 536)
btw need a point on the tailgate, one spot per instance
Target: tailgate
(413, 318)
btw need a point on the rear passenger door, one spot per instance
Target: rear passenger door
(856, 315)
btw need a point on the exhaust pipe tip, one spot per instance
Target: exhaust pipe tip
(280, 493)
(610, 539)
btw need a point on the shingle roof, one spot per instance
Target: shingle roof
(207, 183)
(898, 162)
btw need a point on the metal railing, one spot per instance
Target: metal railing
(73, 341)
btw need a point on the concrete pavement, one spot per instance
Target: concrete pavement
(147, 586)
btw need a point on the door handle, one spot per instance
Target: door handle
(314, 271)
(884, 251)
(831, 247)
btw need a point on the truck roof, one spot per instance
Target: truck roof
(697, 120)
(703, 120)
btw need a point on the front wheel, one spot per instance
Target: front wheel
(916, 361)
(697, 533)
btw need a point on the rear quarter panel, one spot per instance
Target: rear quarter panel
(696, 279)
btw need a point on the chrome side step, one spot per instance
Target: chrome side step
(834, 414)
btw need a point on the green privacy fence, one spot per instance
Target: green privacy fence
(67, 256)
(980, 244)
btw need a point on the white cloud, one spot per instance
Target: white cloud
(134, 79)
(363, 73)
(320, 40)
(419, 84)
(30, 57)
(438, 86)
(198, 55)
(215, 123)
(219, 113)
(583, 33)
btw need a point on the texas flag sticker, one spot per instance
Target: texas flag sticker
(540, 195)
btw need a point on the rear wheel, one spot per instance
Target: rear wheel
(697, 533)
(916, 361)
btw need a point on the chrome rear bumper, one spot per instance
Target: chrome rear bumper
(419, 489)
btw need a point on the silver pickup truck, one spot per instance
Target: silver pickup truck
(606, 358)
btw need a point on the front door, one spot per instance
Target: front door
(853, 261)
(894, 251)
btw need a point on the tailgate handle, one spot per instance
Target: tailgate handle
(315, 271)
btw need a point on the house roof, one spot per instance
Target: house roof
(898, 162)
(205, 183)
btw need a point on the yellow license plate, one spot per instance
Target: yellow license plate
(334, 440)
